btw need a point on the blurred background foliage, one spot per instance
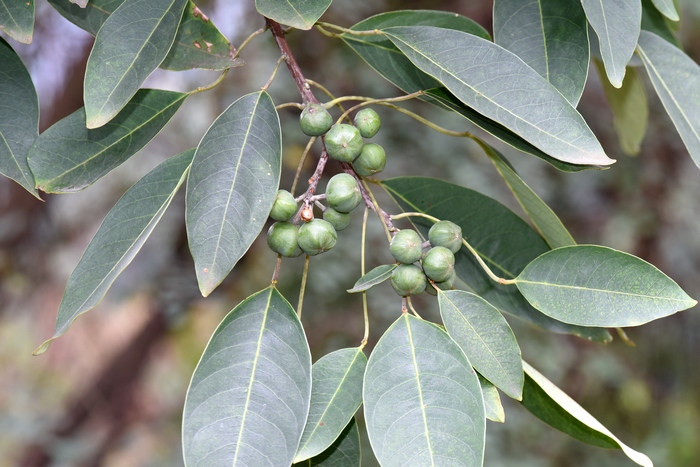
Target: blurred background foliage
(110, 392)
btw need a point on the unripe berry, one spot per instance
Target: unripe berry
(343, 192)
(339, 220)
(406, 246)
(371, 160)
(316, 237)
(447, 234)
(368, 122)
(282, 238)
(408, 279)
(439, 263)
(444, 285)
(315, 120)
(343, 142)
(285, 206)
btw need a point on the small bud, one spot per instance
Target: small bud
(367, 122)
(307, 214)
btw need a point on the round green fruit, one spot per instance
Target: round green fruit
(406, 247)
(368, 122)
(371, 160)
(285, 206)
(444, 285)
(282, 238)
(439, 263)
(339, 220)
(343, 192)
(447, 234)
(408, 279)
(315, 120)
(316, 237)
(343, 142)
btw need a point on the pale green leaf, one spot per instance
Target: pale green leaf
(17, 19)
(554, 407)
(301, 14)
(344, 452)
(676, 79)
(667, 8)
(19, 118)
(129, 46)
(500, 86)
(592, 285)
(249, 395)
(336, 395)
(549, 35)
(372, 278)
(617, 24)
(232, 186)
(505, 242)
(485, 337)
(125, 229)
(654, 21)
(492, 401)
(69, 157)
(422, 399)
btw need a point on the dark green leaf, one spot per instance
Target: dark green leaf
(497, 84)
(80, 3)
(655, 22)
(336, 395)
(617, 24)
(485, 337)
(593, 285)
(422, 399)
(344, 452)
(120, 237)
(19, 118)
(549, 35)
(667, 8)
(131, 43)
(249, 395)
(68, 157)
(372, 278)
(17, 19)
(503, 240)
(301, 14)
(232, 186)
(492, 401)
(92, 17)
(551, 405)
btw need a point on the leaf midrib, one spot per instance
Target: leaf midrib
(16, 160)
(601, 291)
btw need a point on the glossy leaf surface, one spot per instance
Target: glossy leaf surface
(617, 24)
(69, 157)
(249, 395)
(485, 337)
(504, 241)
(593, 285)
(492, 401)
(551, 405)
(232, 186)
(422, 399)
(19, 118)
(336, 395)
(17, 19)
(344, 452)
(676, 79)
(125, 229)
(374, 277)
(551, 36)
(301, 14)
(131, 43)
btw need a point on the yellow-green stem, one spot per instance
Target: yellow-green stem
(303, 285)
(301, 164)
(212, 85)
(378, 210)
(362, 273)
(248, 39)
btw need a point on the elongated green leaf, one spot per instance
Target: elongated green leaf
(504, 241)
(629, 107)
(120, 237)
(249, 395)
(422, 399)
(676, 79)
(372, 278)
(500, 86)
(655, 22)
(551, 405)
(344, 452)
(667, 8)
(131, 43)
(336, 395)
(19, 118)
(17, 19)
(492, 401)
(232, 186)
(301, 14)
(617, 24)
(597, 286)
(91, 18)
(69, 157)
(549, 35)
(485, 337)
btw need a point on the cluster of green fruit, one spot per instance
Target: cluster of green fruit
(436, 265)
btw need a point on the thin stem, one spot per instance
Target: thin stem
(327, 93)
(383, 216)
(326, 32)
(303, 285)
(304, 89)
(486, 269)
(374, 32)
(290, 104)
(413, 310)
(274, 72)
(404, 305)
(625, 338)
(248, 39)
(362, 273)
(414, 214)
(208, 87)
(313, 184)
(370, 101)
(429, 124)
(301, 164)
(276, 272)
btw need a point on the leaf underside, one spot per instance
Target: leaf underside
(301, 14)
(17, 19)
(344, 452)
(374, 277)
